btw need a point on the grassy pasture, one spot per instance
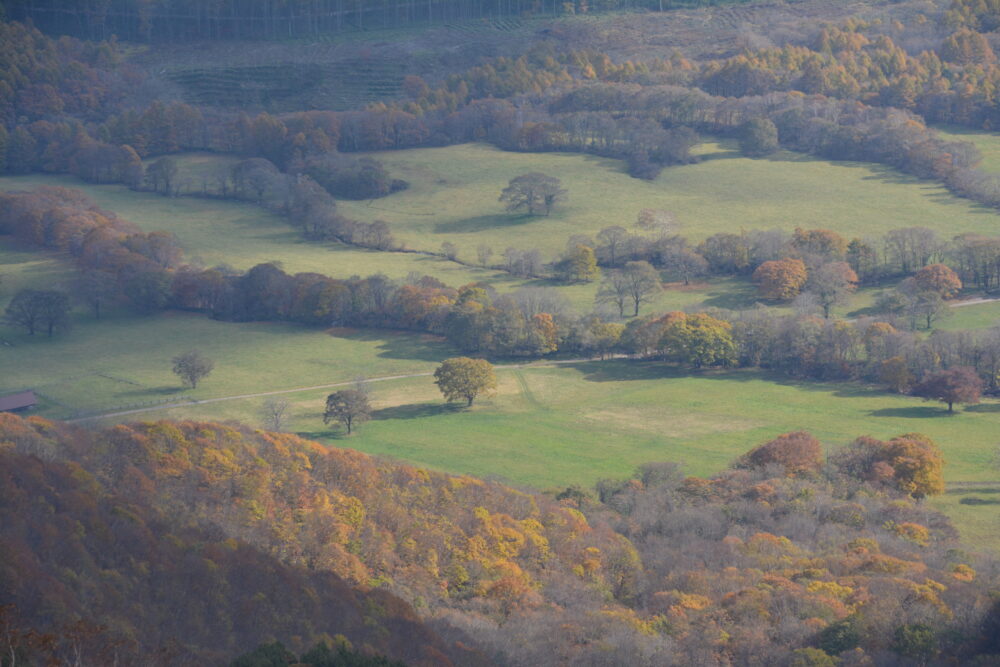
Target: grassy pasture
(549, 427)
(453, 197)
(123, 361)
(988, 143)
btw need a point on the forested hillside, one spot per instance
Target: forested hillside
(185, 20)
(785, 557)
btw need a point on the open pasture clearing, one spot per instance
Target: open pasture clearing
(553, 426)
(124, 361)
(453, 197)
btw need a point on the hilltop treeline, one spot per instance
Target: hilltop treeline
(786, 556)
(182, 20)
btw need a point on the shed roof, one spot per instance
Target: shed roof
(24, 399)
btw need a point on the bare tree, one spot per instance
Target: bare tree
(484, 253)
(274, 413)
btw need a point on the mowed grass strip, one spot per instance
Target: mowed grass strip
(453, 197)
(550, 427)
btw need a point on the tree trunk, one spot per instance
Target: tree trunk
(950, 409)
(470, 398)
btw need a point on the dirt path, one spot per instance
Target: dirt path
(262, 394)
(975, 302)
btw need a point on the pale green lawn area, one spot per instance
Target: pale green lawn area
(549, 427)
(453, 197)
(979, 316)
(22, 267)
(988, 143)
(123, 360)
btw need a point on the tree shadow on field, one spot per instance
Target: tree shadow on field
(485, 222)
(916, 412)
(164, 390)
(401, 344)
(983, 407)
(417, 411)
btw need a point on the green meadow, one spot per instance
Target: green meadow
(453, 196)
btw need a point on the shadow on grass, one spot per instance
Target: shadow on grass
(417, 411)
(160, 391)
(485, 222)
(916, 412)
(733, 297)
(624, 370)
(983, 407)
(402, 344)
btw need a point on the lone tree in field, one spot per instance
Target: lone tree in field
(349, 407)
(462, 377)
(192, 367)
(274, 413)
(535, 192)
(955, 385)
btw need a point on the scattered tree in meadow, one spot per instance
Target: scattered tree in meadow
(162, 175)
(96, 288)
(613, 239)
(534, 192)
(955, 385)
(938, 278)
(38, 309)
(780, 279)
(192, 367)
(831, 284)
(760, 137)
(484, 253)
(274, 413)
(465, 378)
(580, 265)
(642, 281)
(349, 407)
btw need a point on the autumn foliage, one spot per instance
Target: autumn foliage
(284, 538)
(780, 279)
